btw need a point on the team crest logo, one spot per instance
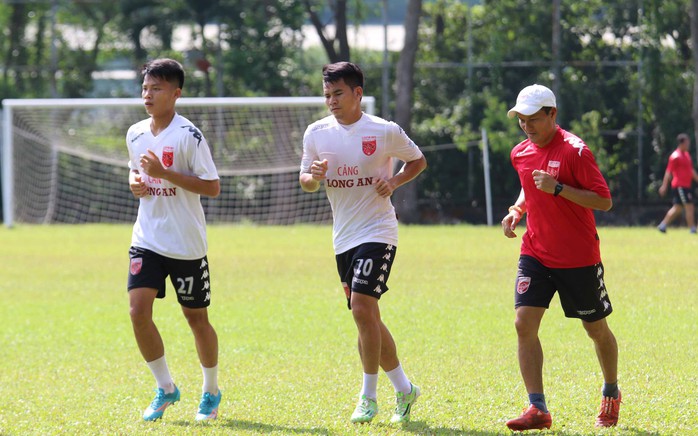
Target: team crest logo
(167, 156)
(368, 144)
(553, 168)
(522, 284)
(136, 264)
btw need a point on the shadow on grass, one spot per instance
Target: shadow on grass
(612, 431)
(415, 427)
(637, 431)
(257, 427)
(422, 428)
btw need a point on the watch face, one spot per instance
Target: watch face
(558, 189)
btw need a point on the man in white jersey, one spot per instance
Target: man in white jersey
(170, 168)
(352, 152)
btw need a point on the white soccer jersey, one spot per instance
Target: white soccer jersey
(171, 220)
(357, 156)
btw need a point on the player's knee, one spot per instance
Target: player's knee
(525, 327)
(140, 315)
(197, 318)
(360, 313)
(597, 335)
(363, 313)
(598, 331)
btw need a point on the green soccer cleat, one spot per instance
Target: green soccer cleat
(208, 408)
(404, 405)
(161, 402)
(366, 410)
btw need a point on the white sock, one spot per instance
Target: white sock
(210, 379)
(162, 374)
(399, 380)
(370, 386)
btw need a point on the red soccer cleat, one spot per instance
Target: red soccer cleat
(531, 419)
(610, 409)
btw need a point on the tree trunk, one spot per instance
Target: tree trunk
(339, 11)
(15, 48)
(340, 19)
(694, 48)
(405, 198)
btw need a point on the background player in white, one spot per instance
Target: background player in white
(171, 167)
(352, 153)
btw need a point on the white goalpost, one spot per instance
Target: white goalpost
(65, 160)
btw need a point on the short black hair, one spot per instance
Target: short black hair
(351, 73)
(167, 69)
(682, 137)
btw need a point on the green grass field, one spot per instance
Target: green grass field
(288, 362)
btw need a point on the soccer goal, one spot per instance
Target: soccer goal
(65, 160)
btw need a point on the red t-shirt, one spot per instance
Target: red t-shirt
(559, 233)
(681, 168)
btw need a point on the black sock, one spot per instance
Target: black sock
(538, 400)
(610, 390)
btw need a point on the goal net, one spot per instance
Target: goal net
(65, 160)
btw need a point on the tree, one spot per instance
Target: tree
(203, 12)
(137, 15)
(16, 52)
(251, 55)
(405, 66)
(30, 66)
(260, 59)
(625, 70)
(611, 59)
(694, 43)
(337, 47)
(406, 198)
(78, 64)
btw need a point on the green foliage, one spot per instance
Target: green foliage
(259, 60)
(613, 159)
(288, 362)
(634, 70)
(473, 61)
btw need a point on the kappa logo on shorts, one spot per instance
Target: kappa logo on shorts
(522, 284)
(136, 264)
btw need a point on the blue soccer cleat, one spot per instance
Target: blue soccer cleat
(161, 402)
(208, 408)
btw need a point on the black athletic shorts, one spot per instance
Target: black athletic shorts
(190, 278)
(582, 290)
(681, 195)
(365, 269)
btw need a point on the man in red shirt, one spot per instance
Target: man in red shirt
(680, 171)
(561, 186)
